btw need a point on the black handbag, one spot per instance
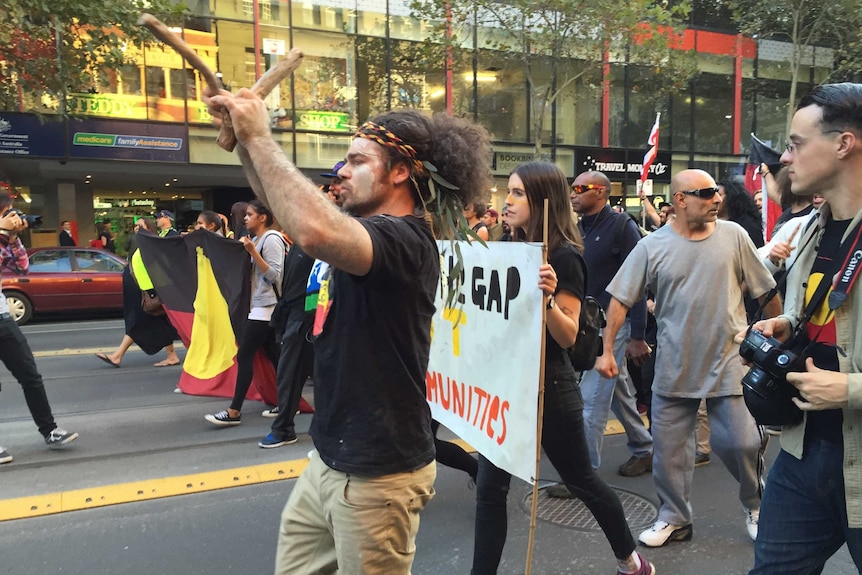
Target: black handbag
(588, 344)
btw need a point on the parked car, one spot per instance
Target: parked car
(65, 279)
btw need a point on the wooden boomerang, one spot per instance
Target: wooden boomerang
(266, 83)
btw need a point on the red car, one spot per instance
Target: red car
(65, 279)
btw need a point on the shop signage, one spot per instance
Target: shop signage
(118, 140)
(24, 135)
(273, 46)
(128, 107)
(322, 121)
(622, 164)
(505, 162)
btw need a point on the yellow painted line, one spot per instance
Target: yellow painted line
(149, 489)
(614, 427)
(92, 497)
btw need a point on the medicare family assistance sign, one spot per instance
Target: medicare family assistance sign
(483, 374)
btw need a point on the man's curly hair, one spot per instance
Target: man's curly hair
(459, 149)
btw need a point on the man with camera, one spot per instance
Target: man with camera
(696, 266)
(812, 504)
(14, 351)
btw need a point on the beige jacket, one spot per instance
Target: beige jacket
(849, 339)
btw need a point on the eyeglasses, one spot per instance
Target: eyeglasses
(702, 193)
(792, 147)
(584, 188)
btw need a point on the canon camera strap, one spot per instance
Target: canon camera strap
(841, 286)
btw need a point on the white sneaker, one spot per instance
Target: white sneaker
(662, 533)
(4, 456)
(272, 412)
(751, 518)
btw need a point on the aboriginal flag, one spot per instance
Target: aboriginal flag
(203, 281)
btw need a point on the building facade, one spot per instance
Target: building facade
(144, 141)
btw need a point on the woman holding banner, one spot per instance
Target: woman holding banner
(562, 282)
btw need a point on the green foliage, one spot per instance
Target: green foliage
(806, 23)
(51, 47)
(555, 34)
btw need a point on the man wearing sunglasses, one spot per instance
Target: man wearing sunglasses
(608, 238)
(696, 266)
(813, 498)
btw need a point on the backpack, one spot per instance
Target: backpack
(588, 343)
(619, 227)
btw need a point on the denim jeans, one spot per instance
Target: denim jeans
(803, 516)
(601, 396)
(565, 445)
(16, 356)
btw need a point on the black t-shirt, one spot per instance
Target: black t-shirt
(371, 416)
(107, 241)
(569, 267)
(821, 328)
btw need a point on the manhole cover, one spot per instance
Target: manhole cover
(573, 514)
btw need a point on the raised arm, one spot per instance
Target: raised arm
(307, 216)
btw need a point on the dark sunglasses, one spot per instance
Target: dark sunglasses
(583, 188)
(702, 193)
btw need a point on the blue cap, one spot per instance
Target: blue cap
(334, 172)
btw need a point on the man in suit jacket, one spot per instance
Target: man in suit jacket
(66, 238)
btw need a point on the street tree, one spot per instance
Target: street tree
(805, 24)
(558, 42)
(49, 48)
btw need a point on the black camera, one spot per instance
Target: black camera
(32, 221)
(765, 389)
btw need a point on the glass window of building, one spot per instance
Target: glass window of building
(579, 105)
(502, 96)
(372, 20)
(713, 113)
(336, 16)
(236, 61)
(325, 85)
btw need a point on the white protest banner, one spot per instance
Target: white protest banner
(483, 373)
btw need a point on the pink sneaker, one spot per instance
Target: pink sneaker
(647, 568)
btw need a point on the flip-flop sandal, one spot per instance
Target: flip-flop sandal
(107, 360)
(163, 364)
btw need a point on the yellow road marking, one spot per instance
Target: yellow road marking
(91, 497)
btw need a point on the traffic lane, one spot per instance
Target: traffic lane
(227, 531)
(82, 384)
(235, 530)
(75, 334)
(132, 421)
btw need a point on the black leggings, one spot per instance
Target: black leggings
(565, 445)
(452, 455)
(255, 335)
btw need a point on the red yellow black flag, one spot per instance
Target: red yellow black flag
(203, 282)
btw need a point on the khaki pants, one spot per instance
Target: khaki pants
(341, 523)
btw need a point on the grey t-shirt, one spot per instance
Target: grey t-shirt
(699, 307)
